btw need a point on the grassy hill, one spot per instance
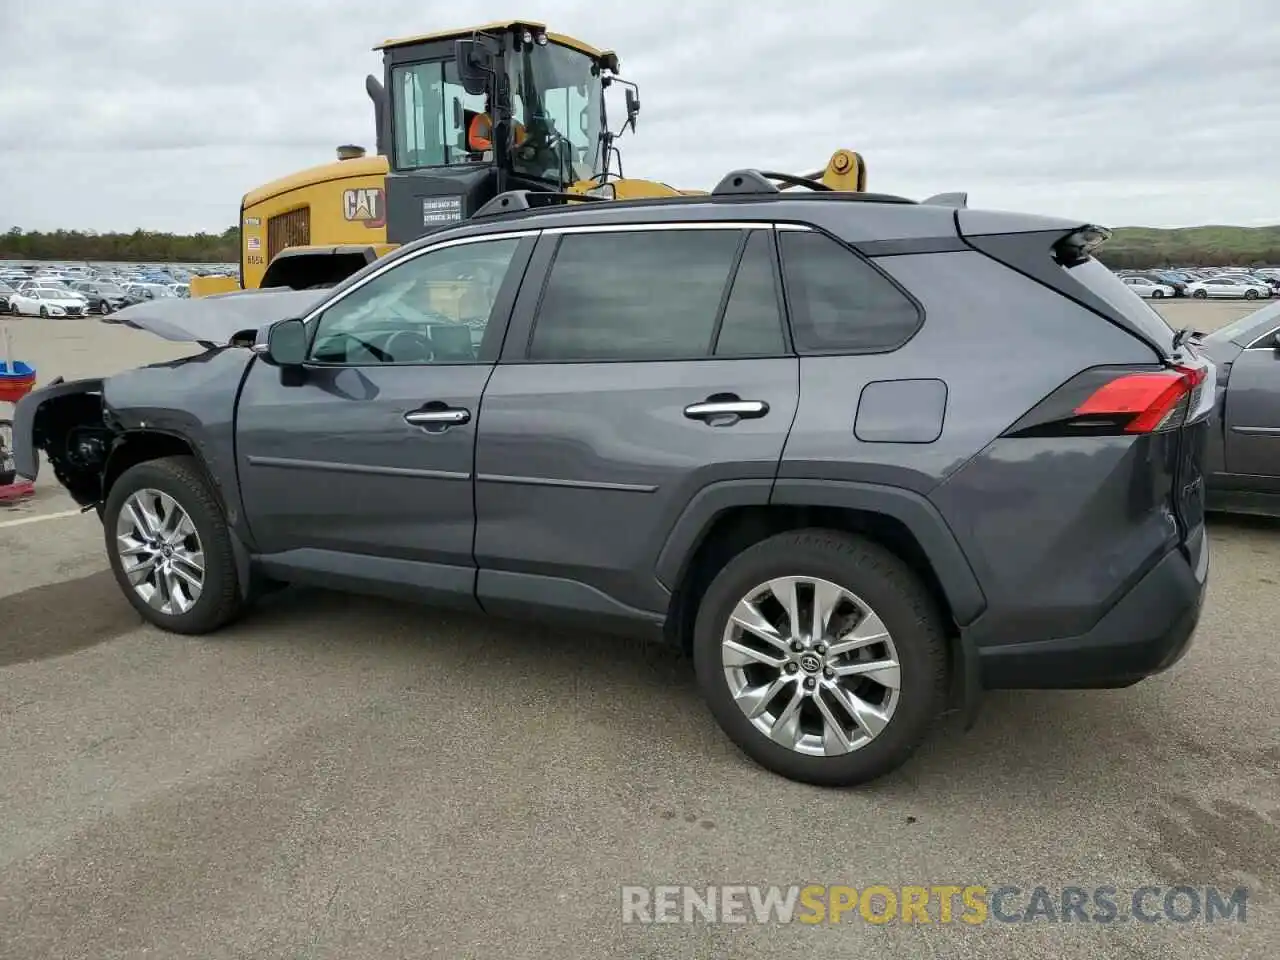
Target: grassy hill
(1208, 246)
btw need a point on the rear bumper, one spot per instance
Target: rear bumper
(1147, 631)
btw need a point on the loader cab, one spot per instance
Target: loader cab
(467, 115)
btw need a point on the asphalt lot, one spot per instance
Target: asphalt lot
(343, 777)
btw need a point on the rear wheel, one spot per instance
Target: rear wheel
(821, 656)
(1200, 295)
(170, 547)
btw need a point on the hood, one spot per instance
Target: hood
(215, 320)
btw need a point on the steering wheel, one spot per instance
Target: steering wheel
(407, 346)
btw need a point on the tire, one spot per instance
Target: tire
(1251, 294)
(104, 308)
(882, 583)
(44, 312)
(1200, 295)
(180, 479)
(1157, 294)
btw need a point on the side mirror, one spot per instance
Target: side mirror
(475, 65)
(633, 107)
(286, 343)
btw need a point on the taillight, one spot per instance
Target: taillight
(1110, 401)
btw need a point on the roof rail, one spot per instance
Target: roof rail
(748, 182)
(958, 199)
(516, 200)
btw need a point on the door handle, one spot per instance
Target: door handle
(446, 417)
(726, 408)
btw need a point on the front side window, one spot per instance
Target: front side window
(641, 295)
(433, 308)
(556, 101)
(430, 114)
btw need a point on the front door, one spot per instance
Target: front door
(359, 466)
(653, 364)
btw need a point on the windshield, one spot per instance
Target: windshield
(430, 113)
(556, 97)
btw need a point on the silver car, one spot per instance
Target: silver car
(1228, 288)
(1242, 469)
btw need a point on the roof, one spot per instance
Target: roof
(495, 26)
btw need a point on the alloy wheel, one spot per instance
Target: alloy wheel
(811, 665)
(160, 552)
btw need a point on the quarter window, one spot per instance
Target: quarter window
(839, 303)
(639, 295)
(752, 324)
(433, 308)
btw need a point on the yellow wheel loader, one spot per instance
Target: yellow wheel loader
(460, 117)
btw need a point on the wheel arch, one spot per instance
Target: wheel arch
(725, 519)
(135, 446)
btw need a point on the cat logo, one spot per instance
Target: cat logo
(365, 205)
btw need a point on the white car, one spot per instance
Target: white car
(1149, 288)
(44, 302)
(1227, 288)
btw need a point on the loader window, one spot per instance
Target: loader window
(556, 95)
(429, 107)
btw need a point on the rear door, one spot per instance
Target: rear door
(652, 363)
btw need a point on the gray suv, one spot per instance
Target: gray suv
(861, 457)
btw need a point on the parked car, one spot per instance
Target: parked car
(1228, 288)
(46, 302)
(142, 292)
(1242, 466)
(6, 291)
(1145, 287)
(853, 511)
(102, 297)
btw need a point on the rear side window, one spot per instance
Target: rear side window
(641, 295)
(1106, 285)
(839, 303)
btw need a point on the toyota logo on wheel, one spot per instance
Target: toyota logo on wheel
(810, 663)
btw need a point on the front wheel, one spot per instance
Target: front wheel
(44, 312)
(1251, 294)
(822, 656)
(170, 547)
(1157, 294)
(104, 308)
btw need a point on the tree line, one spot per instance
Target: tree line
(146, 246)
(1129, 248)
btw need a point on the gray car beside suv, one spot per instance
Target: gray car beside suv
(862, 457)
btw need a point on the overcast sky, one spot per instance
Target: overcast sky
(161, 113)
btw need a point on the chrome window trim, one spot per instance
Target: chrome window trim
(652, 227)
(1270, 334)
(442, 245)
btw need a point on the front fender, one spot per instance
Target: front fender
(193, 398)
(30, 420)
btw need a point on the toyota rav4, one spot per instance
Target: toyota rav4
(862, 457)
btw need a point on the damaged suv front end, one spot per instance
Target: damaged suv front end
(91, 430)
